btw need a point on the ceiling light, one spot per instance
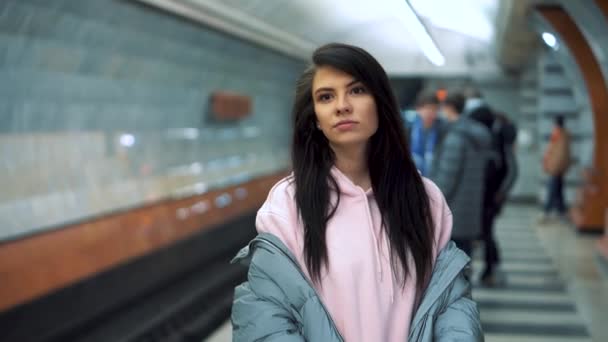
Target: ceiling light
(421, 35)
(469, 17)
(127, 140)
(550, 40)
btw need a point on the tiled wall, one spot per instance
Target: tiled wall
(103, 107)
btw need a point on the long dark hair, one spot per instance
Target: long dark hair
(398, 187)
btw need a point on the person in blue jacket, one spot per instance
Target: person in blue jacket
(425, 131)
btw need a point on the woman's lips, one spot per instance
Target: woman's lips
(345, 125)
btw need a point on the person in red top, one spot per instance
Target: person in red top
(556, 161)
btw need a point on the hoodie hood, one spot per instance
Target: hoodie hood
(347, 187)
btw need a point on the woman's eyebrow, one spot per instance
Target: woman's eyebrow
(323, 89)
(355, 81)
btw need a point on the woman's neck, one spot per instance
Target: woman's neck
(352, 162)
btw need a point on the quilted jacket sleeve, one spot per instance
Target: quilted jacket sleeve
(258, 313)
(459, 321)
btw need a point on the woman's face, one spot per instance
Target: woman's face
(345, 109)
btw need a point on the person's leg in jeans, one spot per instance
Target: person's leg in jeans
(560, 206)
(491, 257)
(551, 194)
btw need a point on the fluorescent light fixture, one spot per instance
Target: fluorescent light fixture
(127, 140)
(422, 37)
(468, 17)
(550, 40)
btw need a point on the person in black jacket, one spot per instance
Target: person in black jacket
(500, 175)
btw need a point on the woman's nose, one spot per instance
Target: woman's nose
(343, 106)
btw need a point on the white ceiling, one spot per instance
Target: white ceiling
(463, 30)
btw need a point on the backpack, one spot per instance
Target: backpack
(558, 160)
(503, 134)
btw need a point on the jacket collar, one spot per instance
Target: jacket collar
(244, 255)
(450, 262)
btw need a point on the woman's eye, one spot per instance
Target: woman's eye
(324, 97)
(358, 90)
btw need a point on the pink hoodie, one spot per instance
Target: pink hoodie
(359, 289)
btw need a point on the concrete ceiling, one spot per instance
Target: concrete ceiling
(468, 33)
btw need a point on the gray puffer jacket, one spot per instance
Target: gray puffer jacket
(459, 171)
(278, 303)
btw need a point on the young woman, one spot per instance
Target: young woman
(353, 245)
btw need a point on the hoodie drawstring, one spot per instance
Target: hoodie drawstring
(377, 247)
(348, 187)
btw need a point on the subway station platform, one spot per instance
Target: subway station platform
(139, 138)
